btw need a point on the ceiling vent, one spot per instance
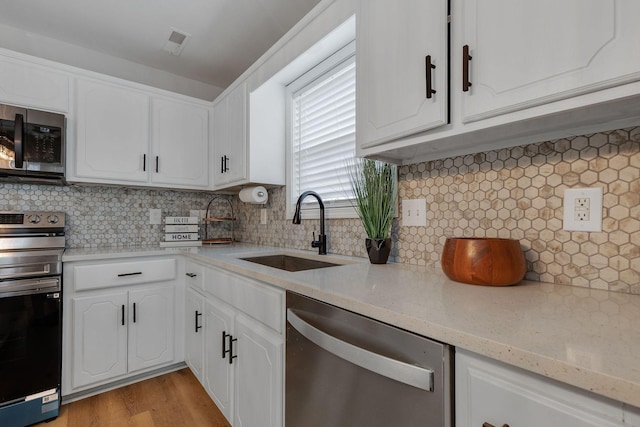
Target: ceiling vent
(177, 40)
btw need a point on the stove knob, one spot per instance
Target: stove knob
(53, 219)
(34, 219)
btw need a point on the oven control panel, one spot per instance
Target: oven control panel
(39, 219)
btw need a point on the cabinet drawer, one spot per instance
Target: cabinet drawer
(258, 300)
(96, 276)
(491, 392)
(194, 275)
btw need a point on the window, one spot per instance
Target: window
(321, 113)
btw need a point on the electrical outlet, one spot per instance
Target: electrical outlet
(583, 209)
(155, 216)
(414, 212)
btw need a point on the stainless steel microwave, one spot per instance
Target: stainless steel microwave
(32, 146)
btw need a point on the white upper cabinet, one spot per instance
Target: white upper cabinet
(521, 72)
(230, 138)
(112, 133)
(402, 68)
(134, 137)
(179, 143)
(528, 53)
(29, 84)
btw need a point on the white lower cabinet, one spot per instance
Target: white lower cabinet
(119, 333)
(194, 334)
(490, 393)
(243, 347)
(258, 380)
(125, 327)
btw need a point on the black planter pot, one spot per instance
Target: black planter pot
(378, 250)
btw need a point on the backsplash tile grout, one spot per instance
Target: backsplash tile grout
(511, 193)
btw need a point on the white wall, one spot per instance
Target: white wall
(66, 53)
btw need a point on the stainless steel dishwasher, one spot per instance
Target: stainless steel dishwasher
(343, 369)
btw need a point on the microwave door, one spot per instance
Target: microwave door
(44, 142)
(12, 127)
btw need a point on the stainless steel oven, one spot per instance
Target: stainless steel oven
(32, 146)
(343, 369)
(31, 247)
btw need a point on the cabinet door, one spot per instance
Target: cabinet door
(99, 338)
(489, 392)
(237, 134)
(151, 320)
(218, 372)
(259, 390)
(194, 334)
(220, 130)
(30, 85)
(112, 132)
(229, 140)
(180, 143)
(528, 53)
(393, 44)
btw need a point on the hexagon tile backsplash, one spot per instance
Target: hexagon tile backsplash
(514, 193)
(511, 193)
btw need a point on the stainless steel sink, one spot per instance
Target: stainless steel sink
(289, 263)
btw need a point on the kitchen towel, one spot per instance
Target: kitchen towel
(255, 195)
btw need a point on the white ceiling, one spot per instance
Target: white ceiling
(227, 36)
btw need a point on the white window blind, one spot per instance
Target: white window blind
(323, 114)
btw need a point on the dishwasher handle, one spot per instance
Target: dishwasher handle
(396, 370)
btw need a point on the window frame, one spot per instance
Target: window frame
(338, 209)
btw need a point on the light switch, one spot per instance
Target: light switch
(414, 212)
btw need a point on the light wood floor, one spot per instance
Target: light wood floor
(173, 400)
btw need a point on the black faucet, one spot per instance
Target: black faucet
(321, 243)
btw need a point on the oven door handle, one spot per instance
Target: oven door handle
(396, 370)
(46, 269)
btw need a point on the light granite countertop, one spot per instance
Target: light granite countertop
(583, 337)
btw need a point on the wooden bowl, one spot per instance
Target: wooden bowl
(483, 261)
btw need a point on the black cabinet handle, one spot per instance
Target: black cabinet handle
(157, 161)
(229, 350)
(134, 312)
(224, 344)
(192, 275)
(18, 141)
(428, 67)
(144, 163)
(221, 164)
(231, 355)
(197, 316)
(225, 168)
(137, 273)
(466, 84)
(491, 425)
(122, 314)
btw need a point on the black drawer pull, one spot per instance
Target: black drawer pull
(137, 273)
(192, 275)
(134, 312)
(122, 314)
